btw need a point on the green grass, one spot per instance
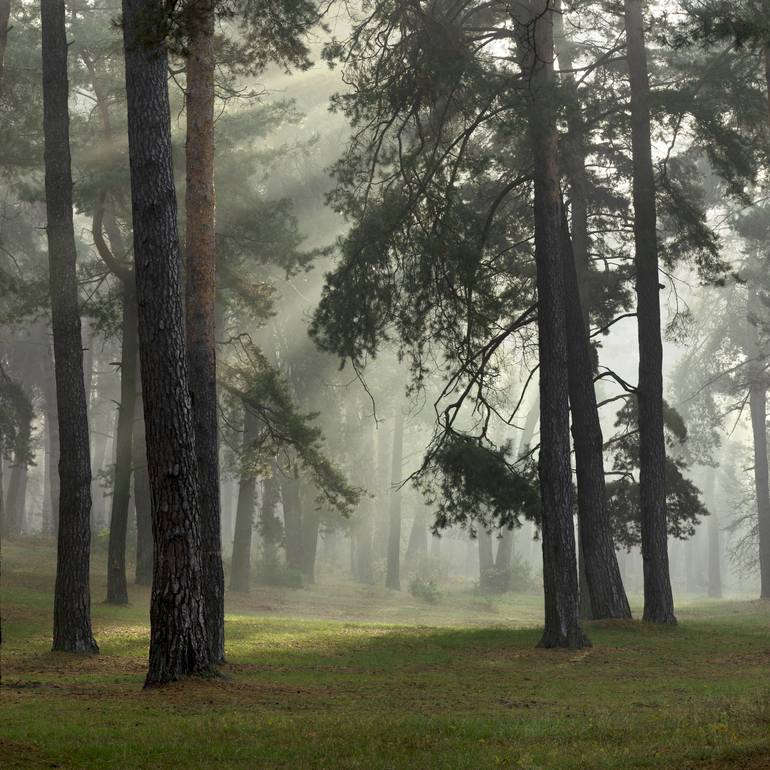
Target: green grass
(371, 679)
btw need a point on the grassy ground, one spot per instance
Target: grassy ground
(370, 679)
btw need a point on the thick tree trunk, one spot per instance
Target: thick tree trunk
(142, 498)
(562, 626)
(72, 599)
(392, 578)
(178, 631)
(117, 588)
(240, 572)
(658, 598)
(200, 302)
(597, 550)
(504, 555)
(16, 496)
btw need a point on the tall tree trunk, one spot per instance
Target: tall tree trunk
(117, 589)
(240, 572)
(392, 578)
(311, 525)
(486, 558)
(52, 459)
(605, 586)
(200, 302)
(418, 536)
(5, 15)
(758, 411)
(562, 625)
(504, 554)
(292, 520)
(178, 636)
(658, 598)
(270, 526)
(72, 600)
(142, 498)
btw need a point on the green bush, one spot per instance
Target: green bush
(426, 590)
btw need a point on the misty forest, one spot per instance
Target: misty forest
(384, 384)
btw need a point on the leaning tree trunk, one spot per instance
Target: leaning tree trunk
(562, 625)
(72, 599)
(178, 639)
(200, 303)
(240, 572)
(658, 598)
(392, 578)
(117, 589)
(605, 586)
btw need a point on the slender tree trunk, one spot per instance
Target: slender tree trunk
(562, 625)
(504, 555)
(72, 600)
(486, 558)
(758, 411)
(5, 15)
(418, 536)
(117, 588)
(311, 526)
(142, 498)
(178, 631)
(200, 303)
(240, 573)
(270, 526)
(393, 579)
(52, 459)
(605, 586)
(658, 598)
(292, 521)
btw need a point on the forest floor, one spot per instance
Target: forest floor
(344, 676)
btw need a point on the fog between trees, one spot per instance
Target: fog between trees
(495, 322)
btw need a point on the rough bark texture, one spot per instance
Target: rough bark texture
(117, 588)
(392, 577)
(72, 600)
(178, 640)
(200, 303)
(562, 626)
(240, 572)
(658, 599)
(605, 586)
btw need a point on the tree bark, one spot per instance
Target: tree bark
(269, 524)
(117, 588)
(418, 536)
(51, 502)
(562, 625)
(240, 572)
(393, 578)
(72, 600)
(597, 549)
(178, 630)
(658, 598)
(200, 303)
(292, 520)
(311, 525)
